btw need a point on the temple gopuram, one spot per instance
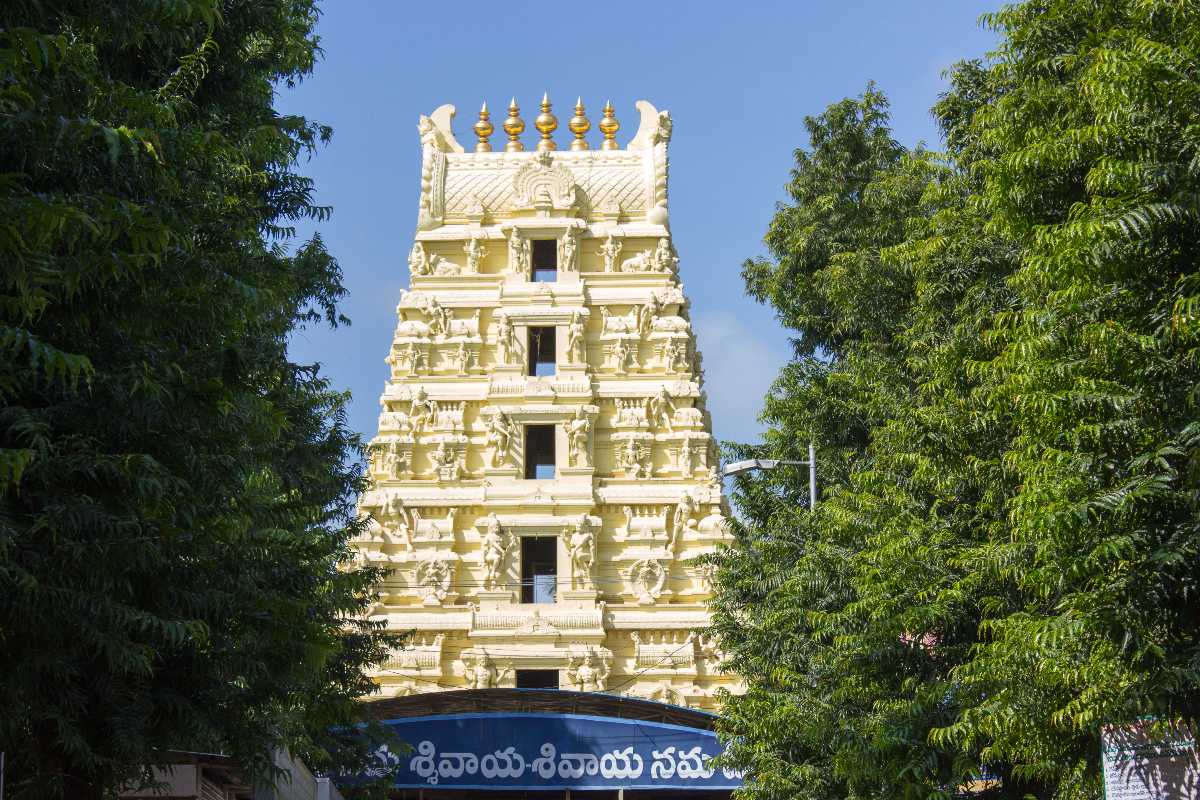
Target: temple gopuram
(544, 475)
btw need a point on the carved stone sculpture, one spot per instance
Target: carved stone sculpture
(646, 315)
(610, 251)
(674, 356)
(462, 359)
(622, 357)
(475, 250)
(635, 459)
(588, 673)
(494, 545)
(685, 511)
(447, 464)
(568, 251)
(481, 671)
(664, 257)
(626, 323)
(506, 341)
(520, 253)
(499, 437)
(646, 577)
(642, 262)
(418, 264)
(581, 547)
(439, 318)
(686, 456)
(579, 431)
(395, 512)
(421, 410)
(660, 409)
(576, 344)
(435, 578)
(443, 266)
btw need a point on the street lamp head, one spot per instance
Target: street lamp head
(741, 467)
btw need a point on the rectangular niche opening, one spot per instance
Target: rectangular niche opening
(539, 452)
(539, 570)
(545, 260)
(542, 341)
(537, 679)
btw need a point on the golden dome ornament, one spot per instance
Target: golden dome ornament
(579, 125)
(609, 127)
(483, 130)
(546, 123)
(514, 126)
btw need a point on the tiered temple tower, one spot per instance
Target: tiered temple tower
(544, 473)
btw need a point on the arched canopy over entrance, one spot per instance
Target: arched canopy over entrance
(517, 742)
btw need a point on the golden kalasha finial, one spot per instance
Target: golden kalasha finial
(546, 123)
(514, 126)
(579, 125)
(484, 129)
(609, 127)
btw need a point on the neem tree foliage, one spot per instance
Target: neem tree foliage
(997, 358)
(176, 495)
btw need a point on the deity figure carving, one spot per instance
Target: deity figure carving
(623, 357)
(660, 409)
(520, 253)
(418, 264)
(609, 251)
(647, 314)
(395, 461)
(446, 463)
(579, 432)
(647, 578)
(421, 410)
(635, 459)
(499, 437)
(568, 251)
(482, 672)
(576, 345)
(686, 457)
(684, 518)
(708, 648)
(395, 511)
(588, 673)
(674, 356)
(439, 317)
(435, 578)
(581, 547)
(462, 358)
(414, 359)
(494, 544)
(475, 250)
(713, 479)
(506, 341)
(665, 259)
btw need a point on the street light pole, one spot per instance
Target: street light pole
(741, 467)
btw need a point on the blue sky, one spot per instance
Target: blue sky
(738, 79)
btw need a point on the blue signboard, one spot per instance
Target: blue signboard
(554, 751)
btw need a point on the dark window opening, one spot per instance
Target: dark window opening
(539, 569)
(539, 452)
(545, 260)
(541, 351)
(537, 679)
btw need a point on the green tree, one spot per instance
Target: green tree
(996, 359)
(1095, 135)
(176, 495)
